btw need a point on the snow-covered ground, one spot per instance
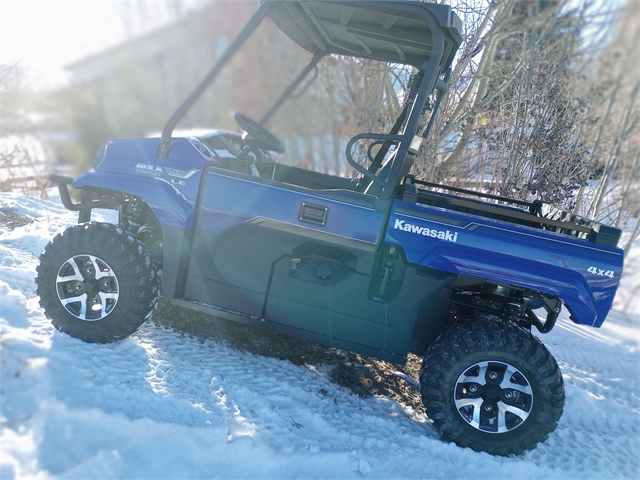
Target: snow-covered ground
(164, 405)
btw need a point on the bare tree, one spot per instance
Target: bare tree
(615, 120)
(509, 114)
(21, 152)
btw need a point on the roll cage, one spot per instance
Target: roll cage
(407, 32)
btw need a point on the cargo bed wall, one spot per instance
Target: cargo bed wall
(534, 214)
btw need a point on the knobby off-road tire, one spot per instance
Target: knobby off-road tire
(96, 282)
(492, 386)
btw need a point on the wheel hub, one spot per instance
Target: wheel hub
(491, 393)
(91, 286)
(87, 287)
(493, 397)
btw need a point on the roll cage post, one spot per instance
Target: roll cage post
(165, 144)
(291, 88)
(431, 68)
(164, 149)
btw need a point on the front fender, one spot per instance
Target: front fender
(171, 206)
(169, 186)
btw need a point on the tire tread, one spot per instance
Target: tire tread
(136, 274)
(485, 337)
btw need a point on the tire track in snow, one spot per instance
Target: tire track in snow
(598, 435)
(268, 397)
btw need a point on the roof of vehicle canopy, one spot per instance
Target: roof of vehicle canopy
(391, 30)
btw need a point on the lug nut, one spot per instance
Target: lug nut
(493, 375)
(488, 408)
(473, 388)
(508, 395)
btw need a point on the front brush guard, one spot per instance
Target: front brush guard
(88, 200)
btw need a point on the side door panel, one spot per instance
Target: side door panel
(250, 232)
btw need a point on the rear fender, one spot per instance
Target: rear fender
(571, 287)
(583, 274)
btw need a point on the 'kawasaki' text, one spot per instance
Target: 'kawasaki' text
(426, 232)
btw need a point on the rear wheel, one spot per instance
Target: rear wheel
(492, 386)
(96, 282)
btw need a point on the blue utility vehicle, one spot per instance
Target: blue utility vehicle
(382, 264)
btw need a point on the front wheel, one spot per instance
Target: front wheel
(492, 386)
(96, 282)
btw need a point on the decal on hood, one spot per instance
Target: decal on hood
(147, 169)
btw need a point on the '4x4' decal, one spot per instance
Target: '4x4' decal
(601, 271)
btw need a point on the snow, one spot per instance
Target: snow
(162, 404)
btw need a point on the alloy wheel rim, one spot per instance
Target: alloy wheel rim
(87, 287)
(493, 397)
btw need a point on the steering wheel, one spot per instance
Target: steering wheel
(265, 139)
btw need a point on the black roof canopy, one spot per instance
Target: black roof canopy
(395, 31)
